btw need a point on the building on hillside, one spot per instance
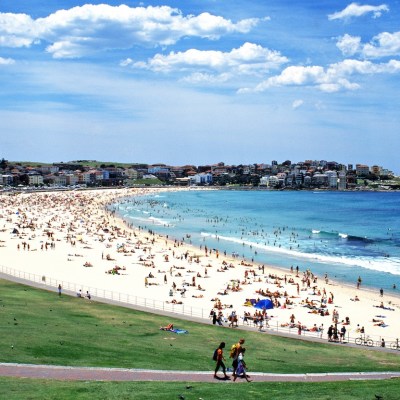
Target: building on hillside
(342, 184)
(264, 180)
(48, 169)
(35, 179)
(307, 181)
(60, 180)
(376, 170)
(332, 179)
(362, 170)
(72, 179)
(320, 180)
(273, 181)
(84, 178)
(201, 179)
(7, 179)
(185, 181)
(281, 179)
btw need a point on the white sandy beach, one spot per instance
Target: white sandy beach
(69, 236)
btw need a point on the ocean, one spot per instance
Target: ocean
(342, 234)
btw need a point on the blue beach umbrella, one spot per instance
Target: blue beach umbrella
(264, 303)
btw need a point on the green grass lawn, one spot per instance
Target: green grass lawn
(38, 327)
(16, 389)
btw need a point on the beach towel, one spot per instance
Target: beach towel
(179, 331)
(385, 308)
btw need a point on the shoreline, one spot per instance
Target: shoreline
(83, 231)
(376, 277)
(277, 268)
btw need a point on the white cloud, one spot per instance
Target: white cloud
(82, 30)
(249, 59)
(383, 45)
(357, 10)
(126, 62)
(293, 76)
(297, 103)
(332, 79)
(349, 45)
(6, 61)
(208, 79)
(17, 30)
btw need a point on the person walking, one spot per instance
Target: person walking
(59, 290)
(242, 367)
(220, 361)
(214, 317)
(235, 351)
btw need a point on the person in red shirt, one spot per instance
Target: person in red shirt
(220, 361)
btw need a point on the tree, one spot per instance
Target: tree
(3, 164)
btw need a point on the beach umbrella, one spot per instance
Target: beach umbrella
(264, 303)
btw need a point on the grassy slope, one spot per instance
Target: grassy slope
(16, 389)
(45, 329)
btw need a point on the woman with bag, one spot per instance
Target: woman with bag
(242, 367)
(220, 361)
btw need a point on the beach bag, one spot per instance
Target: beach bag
(232, 353)
(215, 355)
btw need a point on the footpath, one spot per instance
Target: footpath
(120, 374)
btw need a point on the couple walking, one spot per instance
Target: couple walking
(238, 363)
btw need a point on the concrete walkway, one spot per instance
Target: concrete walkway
(120, 374)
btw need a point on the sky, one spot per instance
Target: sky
(200, 81)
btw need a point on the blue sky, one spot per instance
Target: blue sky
(197, 82)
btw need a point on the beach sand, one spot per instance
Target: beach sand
(70, 237)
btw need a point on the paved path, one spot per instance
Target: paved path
(120, 374)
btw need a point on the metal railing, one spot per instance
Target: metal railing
(125, 298)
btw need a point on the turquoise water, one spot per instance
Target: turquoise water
(344, 234)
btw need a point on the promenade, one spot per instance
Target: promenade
(120, 374)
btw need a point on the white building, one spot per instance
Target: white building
(332, 179)
(35, 179)
(264, 180)
(202, 179)
(273, 181)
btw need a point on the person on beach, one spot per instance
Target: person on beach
(330, 333)
(359, 282)
(342, 333)
(321, 330)
(59, 290)
(242, 367)
(220, 361)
